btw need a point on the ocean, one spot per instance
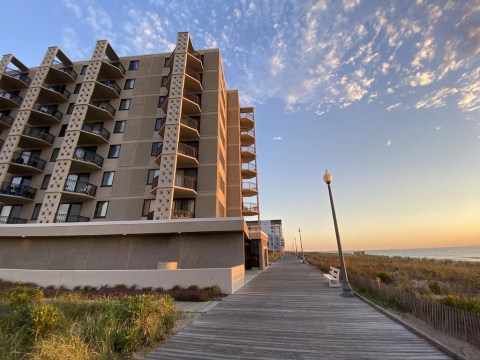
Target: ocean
(461, 253)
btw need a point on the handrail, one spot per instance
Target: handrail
(159, 150)
(19, 157)
(112, 84)
(247, 115)
(250, 148)
(17, 190)
(155, 182)
(80, 187)
(12, 220)
(38, 133)
(88, 156)
(190, 122)
(250, 207)
(6, 119)
(58, 89)
(48, 109)
(188, 150)
(193, 97)
(63, 218)
(104, 105)
(196, 76)
(118, 65)
(17, 99)
(185, 181)
(250, 132)
(181, 214)
(96, 129)
(249, 186)
(249, 166)
(69, 70)
(17, 74)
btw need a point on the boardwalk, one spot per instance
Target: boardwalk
(288, 312)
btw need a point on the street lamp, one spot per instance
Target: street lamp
(296, 249)
(301, 245)
(347, 289)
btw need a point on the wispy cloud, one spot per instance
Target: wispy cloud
(278, 138)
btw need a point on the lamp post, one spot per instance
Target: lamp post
(347, 289)
(296, 249)
(301, 246)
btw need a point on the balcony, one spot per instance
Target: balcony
(111, 70)
(247, 121)
(249, 170)
(60, 74)
(187, 156)
(106, 89)
(250, 209)
(247, 153)
(188, 128)
(93, 134)
(14, 193)
(14, 80)
(193, 82)
(247, 137)
(181, 214)
(100, 110)
(191, 104)
(84, 160)
(26, 164)
(64, 218)
(45, 114)
(184, 187)
(5, 121)
(9, 100)
(33, 137)
(158, 154)
(53, 94)
(249, 189)
(12, 220)
(76, 190)
(194, 61)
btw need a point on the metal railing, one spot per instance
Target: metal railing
(58, 89)
(194, 98)
(6, 119)
(63, 218)
(12, 220)
(190, 122)
(118, 65)
(18, 190)
(249, 186)
(195, 54)
(182, 214)
(250, 132)
(252, 207)
(80, 187)
(185, 181)
(104, 105)
(187, 150)
(16, 74)
(38, 133)
(196, 76)
(250, 148)
(249, 166)
(17, 99)
(247, 115)
(96, 129)
(88, 156)
(48, 109)
(69, 70)
(112, 84)
(22, 158)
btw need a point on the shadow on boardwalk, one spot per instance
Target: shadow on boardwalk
(288, 312)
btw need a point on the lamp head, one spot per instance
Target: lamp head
(327, 177)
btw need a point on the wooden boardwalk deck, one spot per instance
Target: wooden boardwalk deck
(288, 312)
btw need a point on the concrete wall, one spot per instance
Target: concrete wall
(228, 279)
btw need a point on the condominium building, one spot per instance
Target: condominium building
(274, 230)
(116, 140)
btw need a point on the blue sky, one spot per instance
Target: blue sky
(385, 94)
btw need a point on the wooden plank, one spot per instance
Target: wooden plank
(288, 312)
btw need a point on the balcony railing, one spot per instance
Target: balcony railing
(96, 129)
(190, 122)
(185, 181)
(5, 119)
(12, 220)
(182, 214)
(250, 207)
(18, 190)
(249, 186)
(155, 182)
(196, 76)
(58, 89)
(250, 148)
(187, 150)
(247, 132)
(112, 84)
(105, 105)
(159, 150)
(18, 75)
(38, 133)
(88, 156)
(29, 160)
(247, 115)
(64, 218)
(249, 167)
(195, 53)
(17, 99)
(80, 187)
(49, 109)
(118, 65)
(69, 71)
(193, 97)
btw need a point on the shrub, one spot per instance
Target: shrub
(384, 277)
(88, 288)
(434, 287)
(58, 347)
(21, 296)
(119, 286)
(45, 318)
(193, 287)
(468, 304)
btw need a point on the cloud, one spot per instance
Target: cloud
(422, 78)
(389, 142)
(276, 64)
(349, 5)
(394, 106)
(278, 138)
(70, 43)
(436, 99)
(77, 10)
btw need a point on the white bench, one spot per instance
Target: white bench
(333, 278)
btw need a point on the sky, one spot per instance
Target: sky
(384, 94)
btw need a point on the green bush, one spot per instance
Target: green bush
(21, 296)
(193, 287)
(435, 287)
(464, 303)
(384, 277)
(45, 317)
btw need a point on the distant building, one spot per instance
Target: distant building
(274, 230)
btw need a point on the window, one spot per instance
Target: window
(36, 211)
(54, 154)
(133, 65)
(119, 126)
(114, 151)
(125, 104)
(146, 207)
(101, 209)
(164, 80)
(155, 147)
(165, 63)
(77, 88)
(84, 70)
(46, 180)
(62, 130)
(70, 108)
(152, 174)
(159, 123)
(107, 179)
(129, 84)
(161, 100)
